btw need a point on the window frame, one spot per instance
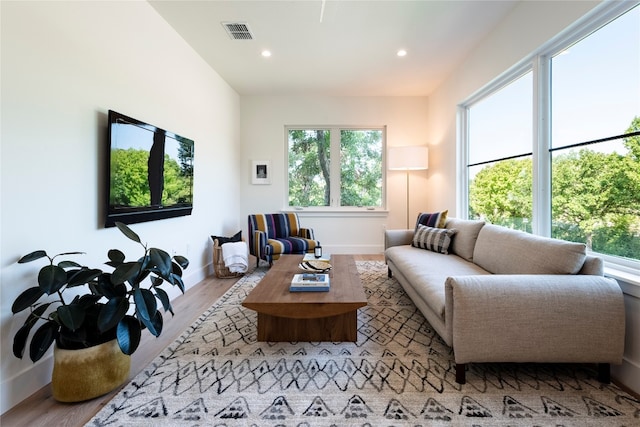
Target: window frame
(335, 172)
(539, 62)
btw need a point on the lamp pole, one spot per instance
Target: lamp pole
(407, 159)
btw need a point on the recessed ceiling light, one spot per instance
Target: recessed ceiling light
(402, 52)
(266, 53)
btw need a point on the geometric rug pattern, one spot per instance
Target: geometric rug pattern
(398, 373)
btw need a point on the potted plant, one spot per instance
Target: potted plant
(109, 314)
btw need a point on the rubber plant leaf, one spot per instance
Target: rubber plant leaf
(164, 299)
(71, 316)
(51, 278)
(162, 261)
(182, 261)
(32, 256)
(26, 299)
(157, 320)
(116, 257)
(127, 271)
(20, 338)
(176, 269)
(42, 340)
(128, 333)
(112, 313)
(68, 264)
(84, 276)
(128, 232)
(177, 280)
(145, 307)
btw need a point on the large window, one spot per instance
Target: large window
(335, 167)
(500, 159)
(575, 174)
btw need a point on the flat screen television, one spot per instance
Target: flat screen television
(150, 172)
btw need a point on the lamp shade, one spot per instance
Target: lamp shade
(413, 157)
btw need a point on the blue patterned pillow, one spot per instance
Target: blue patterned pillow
(433, 239)
(435, 220)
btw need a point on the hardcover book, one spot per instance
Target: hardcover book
(310, 282)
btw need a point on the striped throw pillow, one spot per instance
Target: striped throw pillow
(435, 219)
(433, 239)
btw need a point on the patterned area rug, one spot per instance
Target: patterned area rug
(398, 373)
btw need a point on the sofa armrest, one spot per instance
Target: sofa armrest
(397, 238)
(535, 318)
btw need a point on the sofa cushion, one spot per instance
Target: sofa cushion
(427, 271)
(501, 250)
(436, 219)
(433, 239)
(464, 241)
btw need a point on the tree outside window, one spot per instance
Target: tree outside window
(335, 167)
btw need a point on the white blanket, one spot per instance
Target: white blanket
(235, 256)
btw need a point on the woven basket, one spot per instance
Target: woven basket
(221, 271)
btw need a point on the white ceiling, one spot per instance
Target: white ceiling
(351, 52)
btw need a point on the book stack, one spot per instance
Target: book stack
(310, 282)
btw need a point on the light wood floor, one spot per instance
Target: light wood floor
(40, 409)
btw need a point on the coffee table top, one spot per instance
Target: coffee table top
(272, 296)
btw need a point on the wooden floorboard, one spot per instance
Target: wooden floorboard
(41, 410)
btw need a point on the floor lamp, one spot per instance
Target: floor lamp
(414, 157)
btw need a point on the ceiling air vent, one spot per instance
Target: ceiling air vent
(238, 30)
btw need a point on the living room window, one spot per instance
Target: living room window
(553, 146)
(500, 158)
(595, 139)
(335, 167)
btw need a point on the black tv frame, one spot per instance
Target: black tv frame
(154, 211)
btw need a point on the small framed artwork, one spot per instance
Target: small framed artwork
(261, 172)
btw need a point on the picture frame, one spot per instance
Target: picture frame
(261, 172)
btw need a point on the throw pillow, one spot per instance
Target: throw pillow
(433, 239)
(435, 220)
(222, 240)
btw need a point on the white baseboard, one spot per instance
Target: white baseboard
(27, 382)
(628, 374)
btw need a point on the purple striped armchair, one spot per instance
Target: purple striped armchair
(272, 235)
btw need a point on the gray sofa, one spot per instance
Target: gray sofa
(502, 295)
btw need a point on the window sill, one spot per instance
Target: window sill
(629, 282)
(338, 212)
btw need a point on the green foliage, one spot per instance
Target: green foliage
(310, 168)
(101, 313)
(361, 168)
(502, 194)
(130, 179)
(129, 175)
(595, 196)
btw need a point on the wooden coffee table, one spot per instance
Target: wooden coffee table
(308, 316)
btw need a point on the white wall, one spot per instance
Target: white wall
(528, 27)
(263, 138)
(64, 64)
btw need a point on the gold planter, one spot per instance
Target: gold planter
(89, 372)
